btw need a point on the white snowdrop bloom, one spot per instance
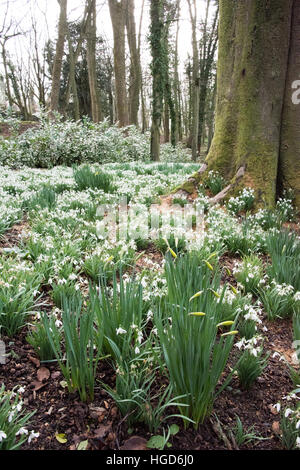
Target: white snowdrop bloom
(33, 435)
(276, 354)
(137, 350)
(297, 296)
(58, 323)
(2, 435)
(22, 431)
(277, 407)
(21, 390)
(298, 424)
(120, 331)
(298, 442)
(288, 412)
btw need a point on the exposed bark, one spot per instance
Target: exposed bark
(289, 159)
(208, 50)
(254, 42)
(158, 74)
(195, 81)
(56, 72)
(72, 79)
(91, 61)
(135, 65)
(117, 14)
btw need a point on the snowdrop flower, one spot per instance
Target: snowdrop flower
(58, 323)
(287, 413)
(281, 358)
(21, 390)
(22, 431)
(2, 435)
(120, 331)
(137, 350)
(298, 442)
(277, 407)
(33, 435)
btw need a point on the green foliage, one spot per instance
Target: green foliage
(161, 441)
(18, 295)
(244, 436)
(214, 182)
(86, 178)
(69, 143)
(251, 364)
(12, 420)
(250, 273)
(290, 431)
(39, 340)
(188, 323)
(284, 250)
(79, 361)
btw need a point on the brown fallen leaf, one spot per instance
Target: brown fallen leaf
(102, 431)
(35, 361)
(276, 427)
(96, 411)
(43, 374)
(135, 443)
(37, 385)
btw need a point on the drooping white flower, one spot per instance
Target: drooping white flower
(22, 431)
(33, 435)
(120, 331)
(2, 435)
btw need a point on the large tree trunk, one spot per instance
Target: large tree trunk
(289, 158)
(56, 72)
(91, 61)
(117, 13)
(253, 85)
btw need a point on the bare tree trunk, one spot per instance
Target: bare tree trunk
(91, 61)
(289, 161)
(158, 74)
(72, 79)
(135, 65)
(56, 73)
(117, 14)
(195, 81)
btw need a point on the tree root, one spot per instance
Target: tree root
(190, 186)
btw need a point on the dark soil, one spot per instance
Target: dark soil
(100, 423)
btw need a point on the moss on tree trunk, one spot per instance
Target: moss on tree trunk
(254, 119)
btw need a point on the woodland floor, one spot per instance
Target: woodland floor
(100, 423)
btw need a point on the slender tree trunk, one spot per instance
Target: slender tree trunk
(6, 75)
(56, 72)
(195, 81)
(176, 81)
(158, 74)
(72, 79)
(135, 66)
(117, 14)
(91, 61)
